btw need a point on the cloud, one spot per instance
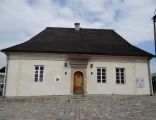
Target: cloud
(22, 19)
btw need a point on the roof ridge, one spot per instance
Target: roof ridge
(80, 28)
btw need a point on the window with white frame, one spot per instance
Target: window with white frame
(120, 75)
(101, 75)
(39, 73)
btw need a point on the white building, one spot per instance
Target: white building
(62, 61)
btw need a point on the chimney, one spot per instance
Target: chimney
(77, 26)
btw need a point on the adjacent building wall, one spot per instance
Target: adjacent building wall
(20, 78)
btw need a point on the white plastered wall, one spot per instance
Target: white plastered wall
(20, 79)
(133, 70)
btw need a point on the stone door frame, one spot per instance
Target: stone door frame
(78, 66)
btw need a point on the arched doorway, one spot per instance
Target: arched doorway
(78, 83)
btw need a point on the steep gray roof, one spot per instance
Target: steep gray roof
(83, 41)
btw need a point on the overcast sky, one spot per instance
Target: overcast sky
(22, 19)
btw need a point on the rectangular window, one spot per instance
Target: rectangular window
(101, 75)
(120, 75)
(38, 77)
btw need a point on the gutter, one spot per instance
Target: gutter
(5, 78)
(150, 79)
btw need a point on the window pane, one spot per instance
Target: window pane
(98, 70)
(122, 70)
(117, 74)
(41, 68)
(103, 70)
(41, 75)
(103, 81)
(117, 81)
(103, 73)
(98, 73)
(122, 74)
(117, 77)
(36, 79)
(99, 77)
(122, 81)
(122, 77)
(41, 79)
(99, 81)
(117, 70)
(41, 72)
(36, 67)
(36, 75)
(103, 77)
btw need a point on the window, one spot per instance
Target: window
(39, 73)
(101, 75)
(120, 75)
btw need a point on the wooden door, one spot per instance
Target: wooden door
(78, 83)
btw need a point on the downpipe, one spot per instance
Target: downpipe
(150, 79)
(5, 78)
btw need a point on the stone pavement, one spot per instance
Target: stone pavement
(89, 107)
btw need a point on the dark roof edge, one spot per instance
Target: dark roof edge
(80, 28)
(152, 55)
(145, 51)
(5, 50)
(58, 52)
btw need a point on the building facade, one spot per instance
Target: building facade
(58, 67)
(100, 75)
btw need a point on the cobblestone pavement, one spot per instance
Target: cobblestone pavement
(90, 107)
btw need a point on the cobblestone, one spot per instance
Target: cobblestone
(88, 107)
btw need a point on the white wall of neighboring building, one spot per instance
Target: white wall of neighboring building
(20, 75)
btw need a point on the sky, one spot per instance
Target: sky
(22, 19)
